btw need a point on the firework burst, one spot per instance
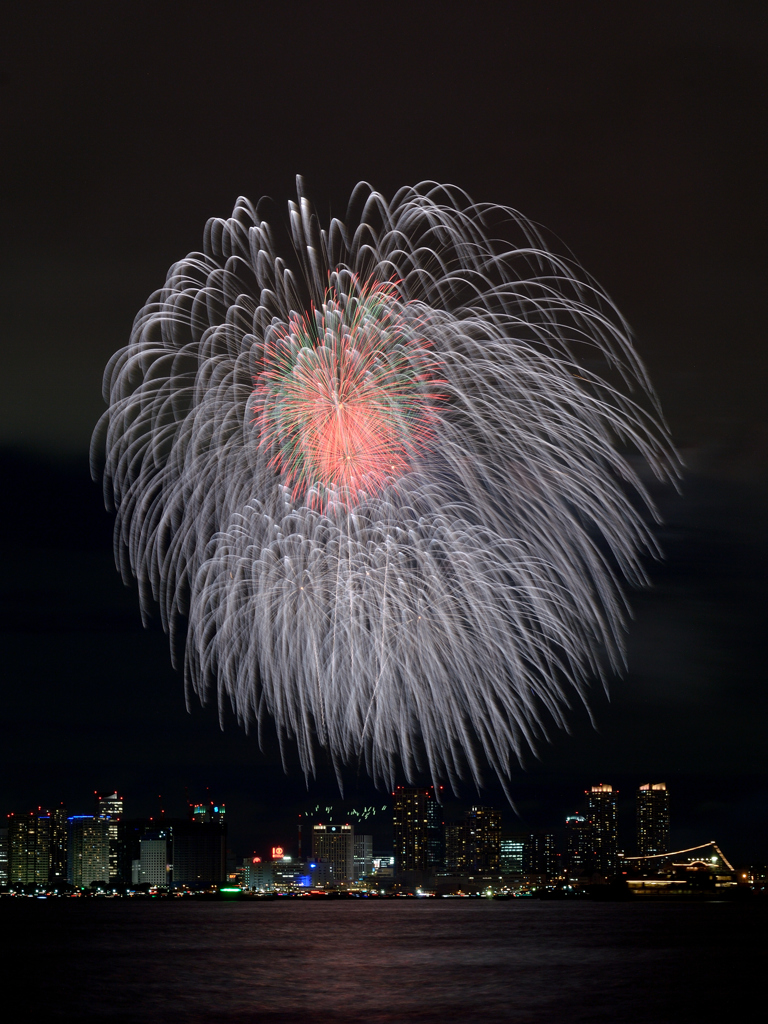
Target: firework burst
(382, 487)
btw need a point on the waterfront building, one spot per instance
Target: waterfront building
(87, 850)
(199, 852)
(29, 848)
(4, 857)
(335, 844)
(578, 845)
(652, 819)
(110, 806)
(512, 851)
(257, 874)
(483, 839)
(363, 856)
(602, 814)
(539, 854)
(153, 858)
(57, 872)
(414, 824)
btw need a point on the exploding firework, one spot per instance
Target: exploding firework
(382, 480)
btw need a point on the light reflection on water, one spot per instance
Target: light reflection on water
(390, 961)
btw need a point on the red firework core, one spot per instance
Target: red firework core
(345, 400)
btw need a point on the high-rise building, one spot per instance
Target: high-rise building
(110, 807)
(539, 854)
(512, 851)
(4, 856)
(652, 819)
(87, 850)
(474, 844)
(602, 815)
(57, 874)
(416, 823)
(483, 839)
(455, 848)
(578, 841)
(29, 848)
(335, 844)
(153, 858)
(363, 854)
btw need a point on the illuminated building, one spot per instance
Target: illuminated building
(363, 856)
(87, 850)
(335, 844)
(578, 845)
(3, 857)
(153, 858)
(58, 846)
(652, 819)
(257, 874)
(455, 852)
(417, 829)
(512, 850)
(28, 848)
(539, 854)
(474, 844)
(601, 811)
(483, 839)
(284, 872)
(110, 807)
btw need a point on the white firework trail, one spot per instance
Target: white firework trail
(380, 478)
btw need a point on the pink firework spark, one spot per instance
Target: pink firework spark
(346, 397)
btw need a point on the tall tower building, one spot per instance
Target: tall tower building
(578, 841)
(335, 844)
(601, 812)
(87, 850)
(28, 848)
(110, 807)
(153, 858)
(57, 874)
(363, 852)
(417, 829)
(652, 819)
(483, 839)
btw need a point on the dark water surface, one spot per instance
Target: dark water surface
(390, 961)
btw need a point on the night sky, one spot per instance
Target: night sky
(632, 131)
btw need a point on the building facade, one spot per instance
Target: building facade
(335, 844)
(603, 820)
(578, 843)
(363, 856)
(29, 848)
(87, 851)
(652, 819)
(110, 806)
(417, 829)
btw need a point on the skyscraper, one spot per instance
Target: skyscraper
(153, 858)
(110, 807)
(578, 842)
(363, 851)
(474, 844)
(87, 850)
(601, 812)
(483, 839)
(335, 844)
(652, 819)
(411, 820)
(28, 848)
(512, 850)
(58, 846)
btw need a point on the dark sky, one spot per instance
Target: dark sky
(633, 131)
